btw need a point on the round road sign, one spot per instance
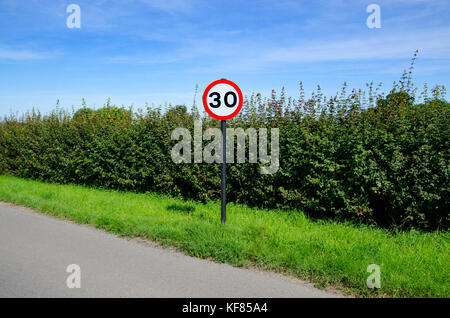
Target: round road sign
(222, 99)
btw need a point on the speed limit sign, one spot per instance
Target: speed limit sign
(222, 99)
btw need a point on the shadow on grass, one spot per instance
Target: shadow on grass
(184, 208)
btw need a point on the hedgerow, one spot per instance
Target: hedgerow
(375, 159)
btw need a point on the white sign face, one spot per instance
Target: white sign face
(222, 99)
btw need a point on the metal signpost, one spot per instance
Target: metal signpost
(223, 100)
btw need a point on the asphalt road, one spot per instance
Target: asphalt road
(35, 251)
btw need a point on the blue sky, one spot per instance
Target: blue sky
(156, 51)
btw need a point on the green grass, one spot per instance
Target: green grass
(413, 264)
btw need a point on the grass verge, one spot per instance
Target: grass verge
(412, 264)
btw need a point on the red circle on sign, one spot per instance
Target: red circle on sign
(205, 97)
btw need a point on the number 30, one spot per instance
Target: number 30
(226, 99)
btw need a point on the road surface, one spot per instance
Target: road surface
(35, 251)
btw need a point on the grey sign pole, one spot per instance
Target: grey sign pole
(224, 171)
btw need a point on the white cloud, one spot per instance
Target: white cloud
(170, 6)
(18, 55)
(430, 44)
(250, 54)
